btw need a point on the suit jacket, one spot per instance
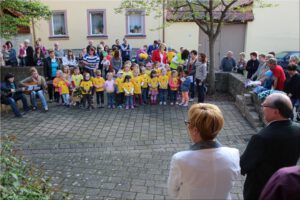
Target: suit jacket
(29, 56)
(274, 147)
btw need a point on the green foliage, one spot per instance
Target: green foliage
(26, 11)
(21, 181)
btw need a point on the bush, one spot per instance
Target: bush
(19, 180)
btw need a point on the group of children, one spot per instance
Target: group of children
(127, 88)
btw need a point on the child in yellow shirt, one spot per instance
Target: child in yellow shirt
(153, 87)
(76, 78)
(120, 91)
(163, 87)
(128, 89)
(156, 67)
(148, 68)
(56, 80)
(145, 79)
(174, 84)
(63, 88)
(137, 82)
(87, 87)
(98, 83)
(127, 71)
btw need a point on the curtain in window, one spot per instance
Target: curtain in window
(135, 23)
(97, 23)
(59, 24)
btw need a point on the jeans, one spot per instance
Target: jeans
(201, 91)
(88, 98)
(120, 98)
(163, 95)
(22, 62)
(129, 100)
(12, 102)
(41, 95)
(296, 105)
(110, 99)
(66, 98)
(173, 96)
(137, 97)
(100, 96)
(145, 94)
(192, 90)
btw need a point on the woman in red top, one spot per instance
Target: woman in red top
(160, 54)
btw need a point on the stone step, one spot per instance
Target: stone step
(247, 99)
(239, 103)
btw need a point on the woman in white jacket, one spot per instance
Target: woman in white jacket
(208, 170)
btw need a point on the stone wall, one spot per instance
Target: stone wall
(19, 72)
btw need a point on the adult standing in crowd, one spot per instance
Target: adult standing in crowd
(252, 65)
(38, 57)
(51, 65)
(241, 65)
(69, 59)
(39, 84)
(116, 61)
(59, 53)
(278, 74)
(91, 62)
(208, 170)
(12, 58)
(228, 63)
(91, 42)
(10, 94)
(160, 55)
(152, 47)
(125, 50)
(179, 59)
(200, 76)
(29, 60)
(292, 88)
(39, 45)
(192, 72)
(262, 68)
(116, 45)
(275, 146)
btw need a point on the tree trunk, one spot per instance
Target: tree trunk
(211, 70)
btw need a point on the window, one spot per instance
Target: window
(135, 23)
(96, 23)
(59, 24)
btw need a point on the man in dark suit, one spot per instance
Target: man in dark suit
(274, 147)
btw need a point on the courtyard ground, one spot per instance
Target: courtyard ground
(115, 154)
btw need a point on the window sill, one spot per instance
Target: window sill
(59, 37)
(97, 36)
(137, 36)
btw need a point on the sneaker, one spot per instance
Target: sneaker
(181, 104)
(120, 107)
(46, 109)
(127, 107)
(165, 103)
(171, 103)
(132, 107)
(113, 107)
(108, 107)
(160, 103)
(177, 103)
(50, 101)
(185, 105)
(191, 100)
(34, 108)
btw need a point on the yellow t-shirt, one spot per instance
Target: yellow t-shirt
(145, 78)
(99, 81)
(148, 72)
(175, 82)
(170, 56)
(169, 74)
(137, 84)
(153, 83)
(119, 83)
(86, 85)
(77, 79)
(128, 73)
(158, 71)
(128, 86)
(163, 82)
(63, 87)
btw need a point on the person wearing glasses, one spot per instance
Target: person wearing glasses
(91, 61)
(207, 170)
(275, 146)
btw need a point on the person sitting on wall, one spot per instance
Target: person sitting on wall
(10, 94)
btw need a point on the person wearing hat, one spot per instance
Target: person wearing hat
(29, 53)
(252, 65)
(10, 94)
(51, 65)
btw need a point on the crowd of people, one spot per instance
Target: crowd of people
(155, 75)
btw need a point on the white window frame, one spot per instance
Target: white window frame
(64, 12)
(89, 21)
(142, 14)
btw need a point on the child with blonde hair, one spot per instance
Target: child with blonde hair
(137, 81)
(87, 87)
(156, 67)
(120, 91)
(163, 87)
(174, 84)
(153, 87)
(98, 83)
(63, 88)
(110, 90)
(145, 79)
(56, 80)
(129, 91)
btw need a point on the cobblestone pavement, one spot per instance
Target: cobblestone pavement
(114, 154)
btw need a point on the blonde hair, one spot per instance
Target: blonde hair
(207, 118)
(32, 70)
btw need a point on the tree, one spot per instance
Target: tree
(18, 13)
(209, 15)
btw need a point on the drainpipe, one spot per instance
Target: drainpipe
(33, 31)
(164, 20)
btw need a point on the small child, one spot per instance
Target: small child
(106, 64)
(98, 83)
(22, 54)
(87, 87)
(144, 84)
(56, 80)
(153, 87)
(185, 86)
(76, 78)
(137, 82)
(128, 89)
(63, 88)
(156, 67)
(127, 71)
(110, 90)
(120, 91)
(163, 87)
(173, 83)
(148, 68)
